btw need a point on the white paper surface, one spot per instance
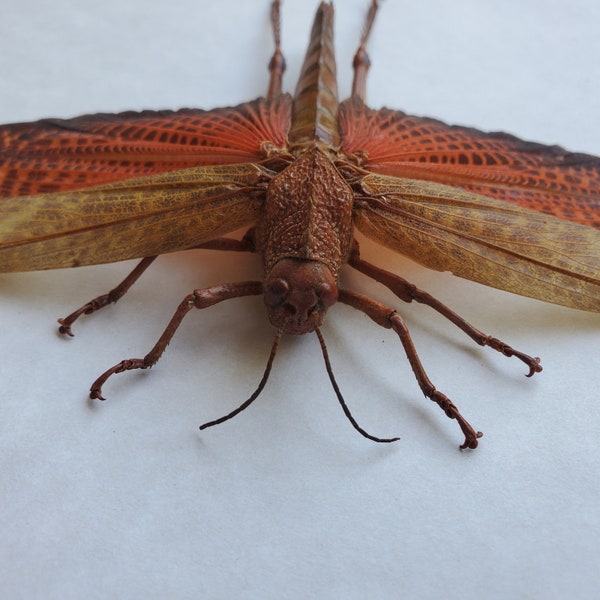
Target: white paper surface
(128, 499)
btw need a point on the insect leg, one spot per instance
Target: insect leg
(197, 299)
(106, 299)
(408, 292)
(361, 62)
(230, 244)
(390, 319)
(277, 62)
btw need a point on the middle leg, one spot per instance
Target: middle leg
(228, 244)
(408, 292)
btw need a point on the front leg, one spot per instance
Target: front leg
(197, 299)
(387, 317)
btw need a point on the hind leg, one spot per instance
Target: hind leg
(277, 62)
(361, 62)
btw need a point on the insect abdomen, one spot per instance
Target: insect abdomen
(315, 112)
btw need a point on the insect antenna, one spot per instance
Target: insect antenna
(258, 390)
(341, 398)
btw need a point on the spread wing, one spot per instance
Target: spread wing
(64, 154)
(482, 239)
(102, 188)
(543, 178)
(133, 218)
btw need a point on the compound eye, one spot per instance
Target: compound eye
(327, 293)
(276, 291)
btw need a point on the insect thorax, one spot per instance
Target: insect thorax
(307, 214)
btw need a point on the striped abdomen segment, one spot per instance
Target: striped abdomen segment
(315, 110)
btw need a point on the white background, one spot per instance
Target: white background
(128, 499)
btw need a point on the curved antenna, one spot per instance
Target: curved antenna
(258, 390)
(341, 398)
